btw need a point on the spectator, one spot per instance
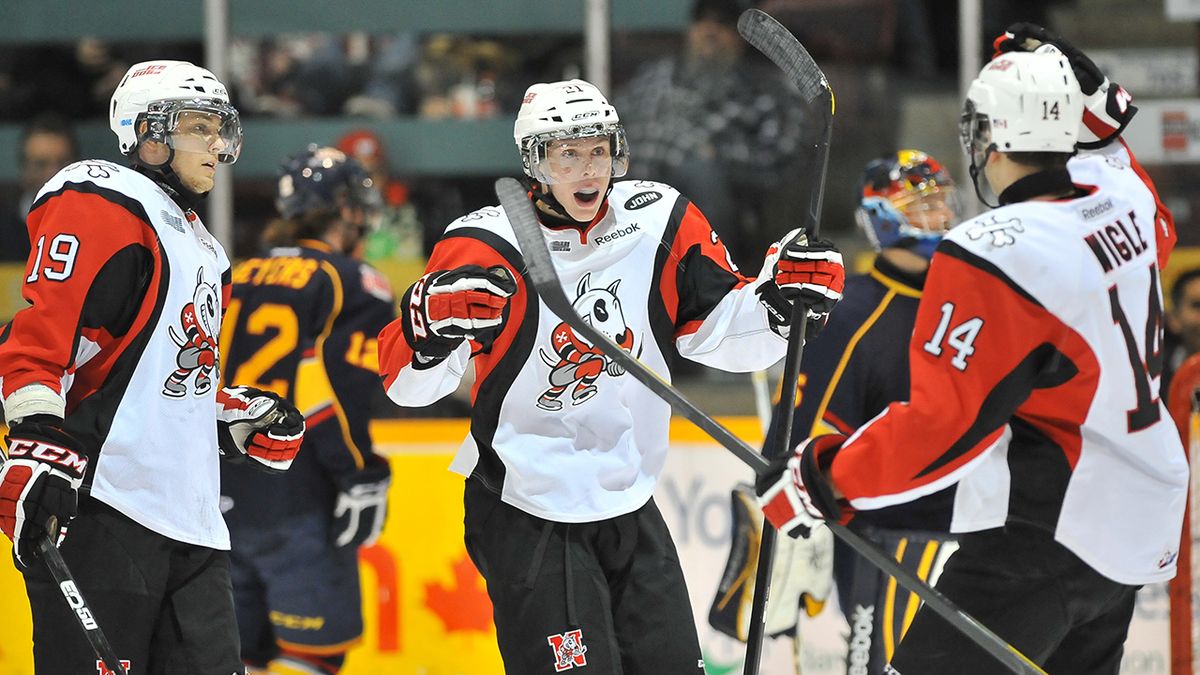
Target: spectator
(706, 123)
(1183, 324)
(47, 145)
(410, 208)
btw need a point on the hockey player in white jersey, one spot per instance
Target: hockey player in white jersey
(565, 448)
(1035, 361)
(107, 381)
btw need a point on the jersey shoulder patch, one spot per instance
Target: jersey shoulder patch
(488, 218)
(636, 195)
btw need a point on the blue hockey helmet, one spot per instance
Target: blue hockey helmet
(323, 179)
(908, 201)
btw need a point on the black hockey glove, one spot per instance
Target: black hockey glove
(444, 308)
(1107, 107)
(260, 426)
(39, 482)
(361, 506)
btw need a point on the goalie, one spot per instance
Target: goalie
(851, 372)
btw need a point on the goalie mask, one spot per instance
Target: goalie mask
(178, 104)
(908, 201)
(556, 129)
(1021, 102)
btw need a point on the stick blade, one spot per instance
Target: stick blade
(784, 50)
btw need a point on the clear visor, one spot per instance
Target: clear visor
(935, 210)
(203, 126)
(568, 160)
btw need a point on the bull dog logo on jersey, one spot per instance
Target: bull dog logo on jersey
(198, 342)
(569, 650)
(575, 364)
(1001, 231)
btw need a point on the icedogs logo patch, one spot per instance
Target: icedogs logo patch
(569, 650)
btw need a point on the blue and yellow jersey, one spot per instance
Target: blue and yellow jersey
(857, 365)
(303, 323)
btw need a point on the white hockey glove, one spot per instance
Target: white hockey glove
(794, 496)
(362, 505)
(801, 575)
(260, 426)
(1107, 107)
(444, 308)
(39, 483)
(809, 272)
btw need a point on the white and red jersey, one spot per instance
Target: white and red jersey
(558, 430)
(126, 292)
(1035, 363)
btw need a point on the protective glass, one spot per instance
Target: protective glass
(570, 159)
(199, 125)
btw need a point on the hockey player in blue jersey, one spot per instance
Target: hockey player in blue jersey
(302, 323)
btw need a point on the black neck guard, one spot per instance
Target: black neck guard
(1050, 183)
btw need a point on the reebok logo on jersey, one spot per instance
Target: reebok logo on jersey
(617, 234)
(642, 199)
(1088, 213)
(569, 650)
(1001, 231)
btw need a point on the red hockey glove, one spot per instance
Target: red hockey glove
(802, 271)
(794, 496)
(361, 506)
(259, 425)
(466, 303)
(1107, 107)
(39, 482)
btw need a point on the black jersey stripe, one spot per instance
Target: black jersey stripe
(485, 413)
(93, 416)
(1000, 403)
(133, 206)
(660, 319)
(956, 251)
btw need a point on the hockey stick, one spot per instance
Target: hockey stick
(79, 607)
(779, 45)
(540, 271)
(785, 51)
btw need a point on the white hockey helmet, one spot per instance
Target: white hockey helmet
(566, 110)
(157, 92)
(1023, 102)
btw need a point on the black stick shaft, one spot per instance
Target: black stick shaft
(79, 607)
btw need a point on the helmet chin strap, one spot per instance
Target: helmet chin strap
(542, 193)
(168, 180)
(975, 172)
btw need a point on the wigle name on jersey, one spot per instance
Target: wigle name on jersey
(1113, 245)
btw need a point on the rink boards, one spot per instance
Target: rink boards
(426, 609)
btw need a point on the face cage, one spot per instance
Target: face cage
(162, 119)
(534, 152)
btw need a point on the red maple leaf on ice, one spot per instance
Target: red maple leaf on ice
(465, 605)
